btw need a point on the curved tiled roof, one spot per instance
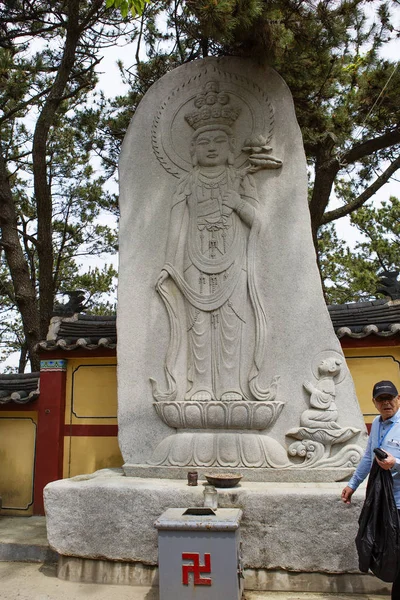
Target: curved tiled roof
(81, 331)
(355, 320)
(20, 388)
(360, 319)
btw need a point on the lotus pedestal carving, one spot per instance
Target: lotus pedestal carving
(219, 434)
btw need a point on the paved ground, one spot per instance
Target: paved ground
(25, 539)
(37, 581)
(29, 581)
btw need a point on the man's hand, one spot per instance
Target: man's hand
(347, 494)
(386, 463)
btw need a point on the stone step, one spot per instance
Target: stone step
(24, 539)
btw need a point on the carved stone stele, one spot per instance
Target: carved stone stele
(220, 308)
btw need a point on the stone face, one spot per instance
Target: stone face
(222, 326)
(293, 527)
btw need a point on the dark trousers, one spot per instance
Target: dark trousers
(396, 588)
(396, 585)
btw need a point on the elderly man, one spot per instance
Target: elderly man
(385, 434)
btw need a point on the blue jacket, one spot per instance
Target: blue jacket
(385, 435)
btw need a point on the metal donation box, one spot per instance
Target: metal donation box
(199, 554)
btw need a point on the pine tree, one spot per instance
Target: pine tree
(50, 196)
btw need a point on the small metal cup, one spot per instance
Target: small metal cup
(192, 478)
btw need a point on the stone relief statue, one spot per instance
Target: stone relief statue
(210, 262)
(215, 236)
(210, 255)
(208, 284)
(319, 427)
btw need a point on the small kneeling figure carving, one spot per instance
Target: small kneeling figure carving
(319, 429)
(324, 412)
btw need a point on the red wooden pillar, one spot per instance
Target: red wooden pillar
(50, 432)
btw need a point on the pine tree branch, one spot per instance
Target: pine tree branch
(139, 40)
(364, 196)
(370, 146)
(28, 237)
(24, 105)
(177, 32)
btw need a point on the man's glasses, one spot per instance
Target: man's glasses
(385, 398)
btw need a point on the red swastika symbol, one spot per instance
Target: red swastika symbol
(196, 568)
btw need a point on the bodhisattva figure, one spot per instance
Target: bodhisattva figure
(210, 257)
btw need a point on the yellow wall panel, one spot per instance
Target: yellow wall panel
(369, 365)
(17, 461)
(88, 454)
(91, 396)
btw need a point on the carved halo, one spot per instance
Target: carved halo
(316, 361)
(171, 134)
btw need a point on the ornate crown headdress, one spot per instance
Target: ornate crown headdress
(212, 108)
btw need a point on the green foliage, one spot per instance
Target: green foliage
(381, 228)
(99, 285)
(345, 96)
(328, 52)
(134, 7)
(352, 275)
(77, 185)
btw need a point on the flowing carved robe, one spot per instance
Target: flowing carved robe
(210, 257)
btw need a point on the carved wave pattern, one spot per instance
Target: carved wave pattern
(239, 414)
(208, 449)
(327, 437)
(314, 454)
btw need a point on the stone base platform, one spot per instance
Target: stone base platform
(298, 475)
(295, 535)
(84, 570)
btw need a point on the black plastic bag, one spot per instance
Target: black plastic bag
(378, 537)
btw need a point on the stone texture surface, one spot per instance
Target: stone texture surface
(325, 583)
(299, 331)
(294, 527)
(278, 475)
(85, 570)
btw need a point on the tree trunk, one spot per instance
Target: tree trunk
(41, 184)
(326, 169)
(25, 294)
